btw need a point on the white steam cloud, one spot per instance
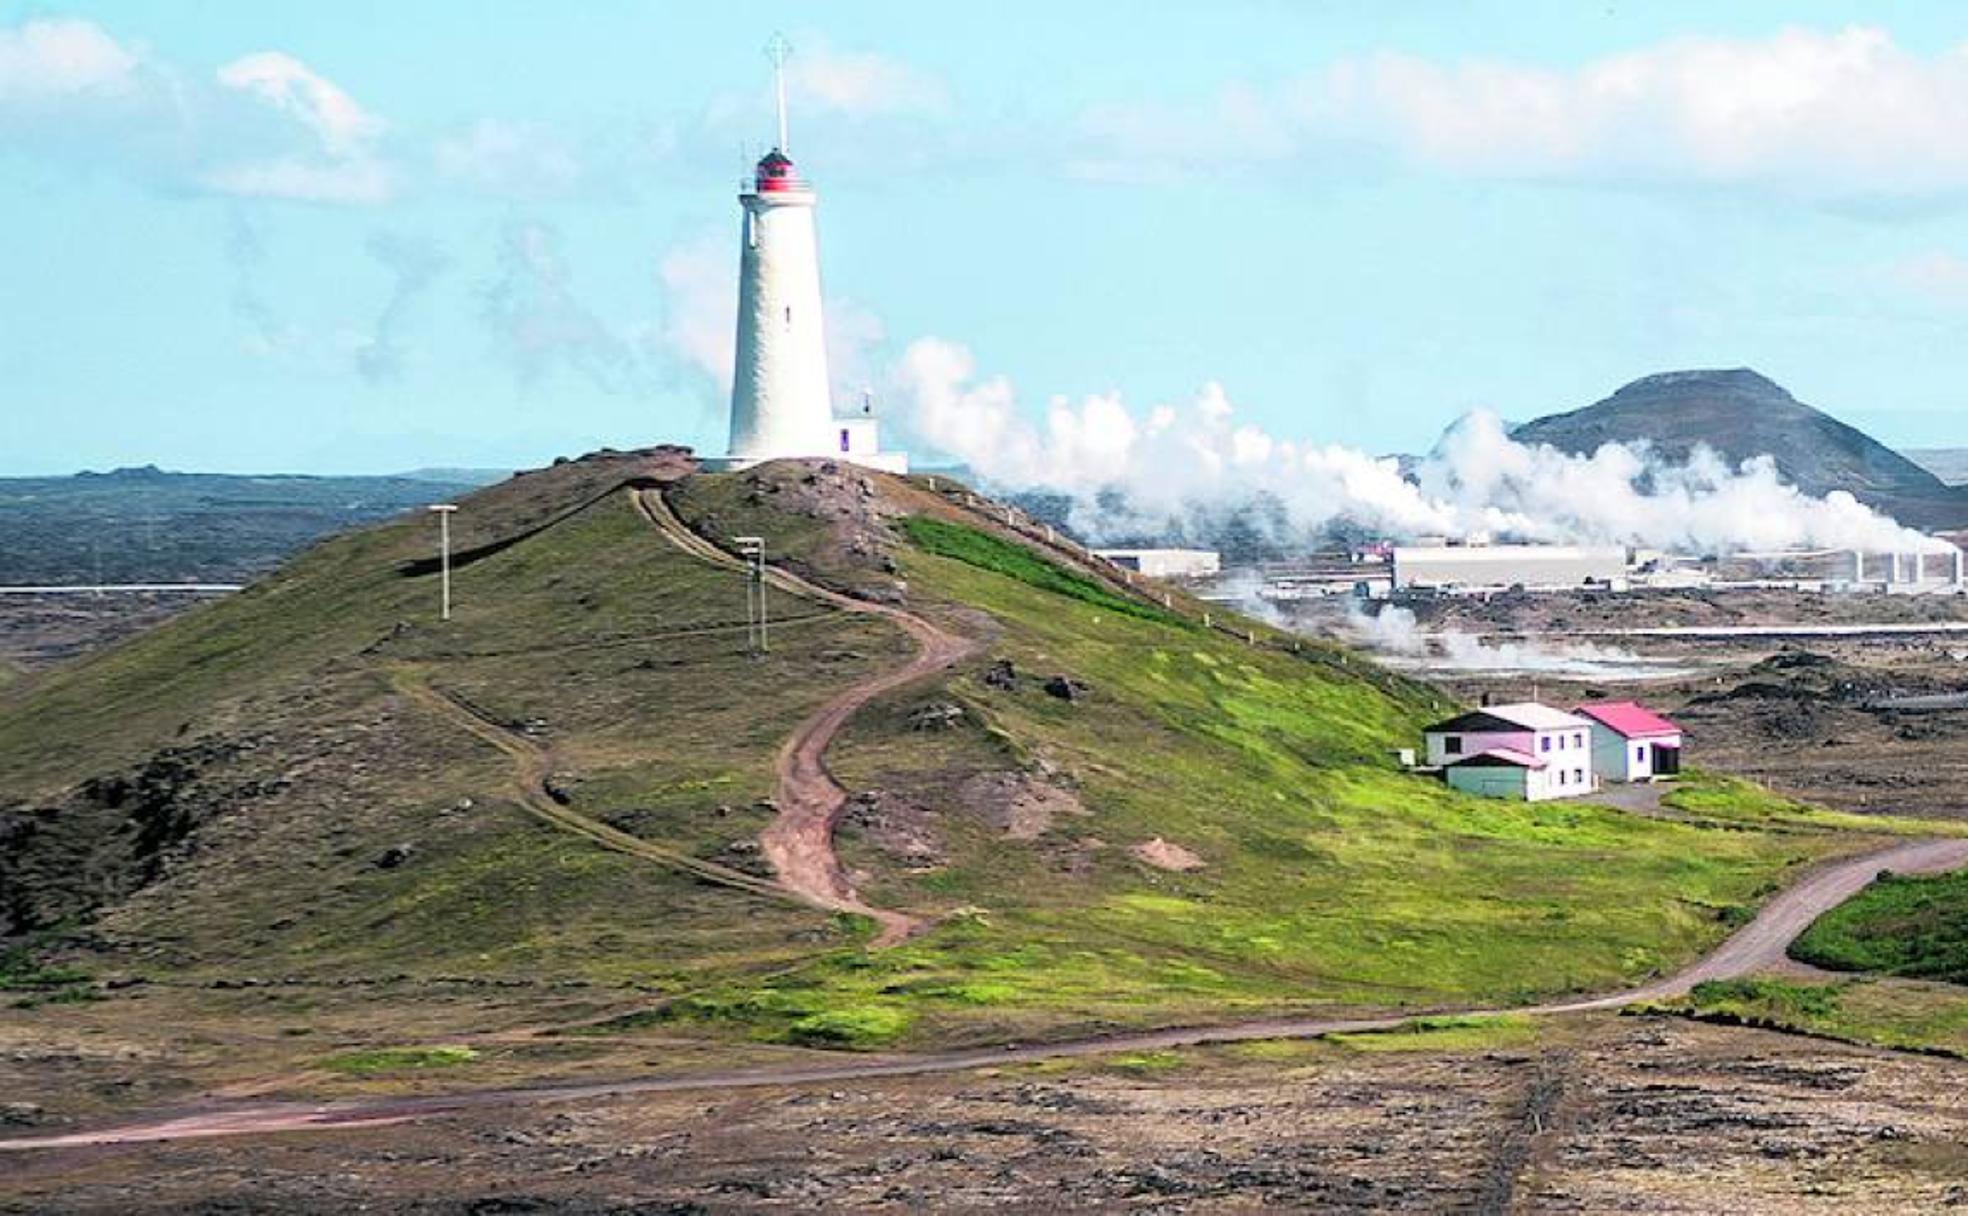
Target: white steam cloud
(1394, 631)
(1141, 473)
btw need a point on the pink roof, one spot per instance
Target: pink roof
(1509, 755)
(1629, 719)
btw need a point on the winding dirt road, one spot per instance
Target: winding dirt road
(1758, 946)
(799, 842)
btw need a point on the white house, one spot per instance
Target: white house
(1631, 742)
(1526, 751)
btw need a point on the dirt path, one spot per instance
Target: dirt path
(1759, 946)
(799, 842)
(531, 765)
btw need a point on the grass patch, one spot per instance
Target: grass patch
(1455, 1033)
(1732, 801)
(855, 1029)
(1901, 1014)
(978, 548)
(376, 1061)
(1904, 925)
(1145, 1063)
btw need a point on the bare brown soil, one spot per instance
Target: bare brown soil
(1599, 1114)
(1757, 947)
(799, 843)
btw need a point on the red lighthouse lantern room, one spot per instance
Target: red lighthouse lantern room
(775, 173)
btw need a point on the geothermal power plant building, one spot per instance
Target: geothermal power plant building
(1496, 567)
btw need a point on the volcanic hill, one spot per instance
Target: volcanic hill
(1740, 414)
(582, 822)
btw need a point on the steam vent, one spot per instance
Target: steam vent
(781, 405)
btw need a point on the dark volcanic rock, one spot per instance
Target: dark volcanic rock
(1066, 688)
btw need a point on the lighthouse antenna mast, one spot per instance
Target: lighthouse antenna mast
(778, 51)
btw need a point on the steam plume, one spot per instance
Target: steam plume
(1142, 473)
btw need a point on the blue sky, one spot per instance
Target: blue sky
(371, 236)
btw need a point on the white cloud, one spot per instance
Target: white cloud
(1846, 112)
(525, 160)
(60, 58)
(344, 168)
(361, 181)
(700, 307)
(861, 83)
(265, 125)
(295, 89)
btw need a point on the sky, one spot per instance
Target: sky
(367, 237)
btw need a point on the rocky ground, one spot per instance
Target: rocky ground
(1605, 1114)
(37, 631)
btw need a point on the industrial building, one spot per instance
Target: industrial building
(1501, 567)
(1524, 751)
(1165, 563)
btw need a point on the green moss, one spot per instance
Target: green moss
(1446, 1034)
(1766, 997)
(857, 1028)
(378, 1060)
(1913, 926)
(987, 552)
(1727, 800)
(1145, 1063)
(1902, 1014)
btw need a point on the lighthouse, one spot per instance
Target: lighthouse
(781, 404)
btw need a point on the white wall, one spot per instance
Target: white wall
(780, 403)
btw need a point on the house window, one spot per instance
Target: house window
(844, 446)
(1579, 739)
(1640, 754)
(1452, 744)
(1544, 743)
(789, 316)
(1578, 776)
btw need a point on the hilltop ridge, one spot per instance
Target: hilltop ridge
(1740, 414)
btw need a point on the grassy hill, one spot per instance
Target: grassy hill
(552, 801)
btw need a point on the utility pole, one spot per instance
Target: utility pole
(752, 549)
(443, 511)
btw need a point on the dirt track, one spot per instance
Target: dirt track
(1756, 947)
(799, 842)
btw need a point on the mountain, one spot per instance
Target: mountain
(584, 825)
(1948, 464)
(148, 525)
(1740, 415)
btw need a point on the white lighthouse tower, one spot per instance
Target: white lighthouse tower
(781, 405)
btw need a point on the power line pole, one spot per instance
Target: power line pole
(752, 549)
(443, 511)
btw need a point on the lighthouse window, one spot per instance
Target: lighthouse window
(844, 446)
(789, 314)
